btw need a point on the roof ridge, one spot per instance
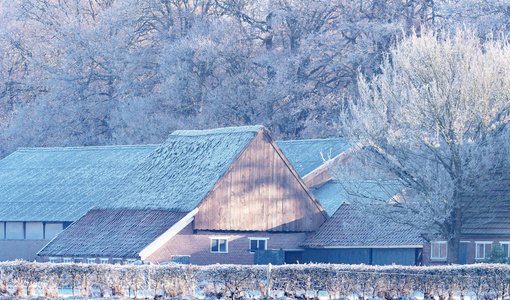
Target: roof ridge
(215, 131)
(84, 148)
(314, 140)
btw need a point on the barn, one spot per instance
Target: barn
(43, 190)
(203, 197)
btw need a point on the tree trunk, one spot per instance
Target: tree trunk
(455, 232)
(453, 246)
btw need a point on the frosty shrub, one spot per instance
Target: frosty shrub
(25, 279)
(232, 281)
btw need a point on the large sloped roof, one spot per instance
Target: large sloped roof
(179, 173)
(112, 233)
(488, 213)
(308, 155)
(353, 227)
(61, 184)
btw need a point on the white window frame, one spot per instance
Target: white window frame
(219, 250)
(438, 243)
(53, 260)
(103, 261)
(478, 256)
(91, 261)
(67, 260)
(508, 247)
(257, 239)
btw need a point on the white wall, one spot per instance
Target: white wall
(14, 231)
(34, 230)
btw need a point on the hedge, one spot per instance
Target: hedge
(26, 279)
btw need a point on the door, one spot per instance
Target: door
(463, 253)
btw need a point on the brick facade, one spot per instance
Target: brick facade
(197, 244)
(471, 242)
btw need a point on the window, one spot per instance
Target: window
(103, 261)
(53, 260)
(482, 249)
(91, 260)
(505, 246)
(258, 244)
(438, 250)
(219, 245)
(130, 261)
(66, 260)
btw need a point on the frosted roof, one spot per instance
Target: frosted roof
(305, 155)
(351, 227)
(61, 184)
(112, 233)
(179, 174)
(333, 193)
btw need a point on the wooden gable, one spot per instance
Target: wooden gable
(260, 191)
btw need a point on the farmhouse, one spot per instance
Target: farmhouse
(228, 195)
(210, 196)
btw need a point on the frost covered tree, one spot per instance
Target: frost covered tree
(435, 120)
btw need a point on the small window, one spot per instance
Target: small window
(91, 260)
(66, 260)
(438, 250)
(104, 261)
(505, 246)
(483, 249)
(131, 261)
(219, 245)
(53, 260)
(258, 244)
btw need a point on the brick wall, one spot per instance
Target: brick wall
(471, 248)
(198, 246)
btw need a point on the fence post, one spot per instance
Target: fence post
(268, 280)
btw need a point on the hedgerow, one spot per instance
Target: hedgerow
(25, 279)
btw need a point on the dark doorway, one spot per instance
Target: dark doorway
(463, 253)
(293, 257)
